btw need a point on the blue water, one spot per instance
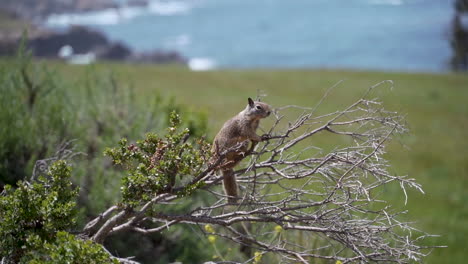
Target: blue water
(397, 35)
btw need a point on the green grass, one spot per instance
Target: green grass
(435, 105)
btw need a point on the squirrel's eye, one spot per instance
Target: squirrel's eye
(259, 107)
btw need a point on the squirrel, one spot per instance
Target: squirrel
(233, 138)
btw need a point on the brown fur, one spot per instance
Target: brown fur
(241, 129)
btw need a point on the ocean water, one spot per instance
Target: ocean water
(395, 35)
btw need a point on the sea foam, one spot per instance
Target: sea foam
(171, 8)
(201, 64)
(111, 16)
(114, 16)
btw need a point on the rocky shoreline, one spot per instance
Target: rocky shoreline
(77, 44)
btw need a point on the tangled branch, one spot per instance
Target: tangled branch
(300, 202)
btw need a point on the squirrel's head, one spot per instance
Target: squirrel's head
(257, 109)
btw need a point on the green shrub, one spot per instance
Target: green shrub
(154, 163)
(33, 218)
(38, 209)
(65, 248)
(41, 110)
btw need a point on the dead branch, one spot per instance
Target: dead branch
(302, 202)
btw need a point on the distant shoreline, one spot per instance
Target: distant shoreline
(387, 35)
(76, 44)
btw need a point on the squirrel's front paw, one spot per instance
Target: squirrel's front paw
(265, 137)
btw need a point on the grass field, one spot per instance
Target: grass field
(435, 152)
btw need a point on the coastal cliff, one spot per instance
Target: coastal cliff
(19, 16)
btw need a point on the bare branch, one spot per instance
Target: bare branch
(301, 201)
(65, 151)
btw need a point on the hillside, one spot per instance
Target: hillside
(435, 152)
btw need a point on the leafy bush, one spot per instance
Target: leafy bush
(37, 209)
(34, 117)
(41, 110)
(65, 248)
(33, 218)
(153, 163)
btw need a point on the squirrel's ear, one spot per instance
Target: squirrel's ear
(251, 102)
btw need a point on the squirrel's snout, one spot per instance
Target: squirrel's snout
(268, 113)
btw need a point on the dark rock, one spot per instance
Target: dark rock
(8, 47)
(115, 51)
(82, 40)
(159, 57)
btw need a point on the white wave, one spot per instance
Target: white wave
(169, 8)
(201, 64)
(109, 16)
(82, 59)
(113, 16)
(65, 52)
(387, 2)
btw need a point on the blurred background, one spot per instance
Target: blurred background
(396, 35)
(94, 71)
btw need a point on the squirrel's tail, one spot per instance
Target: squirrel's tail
(230, 185)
